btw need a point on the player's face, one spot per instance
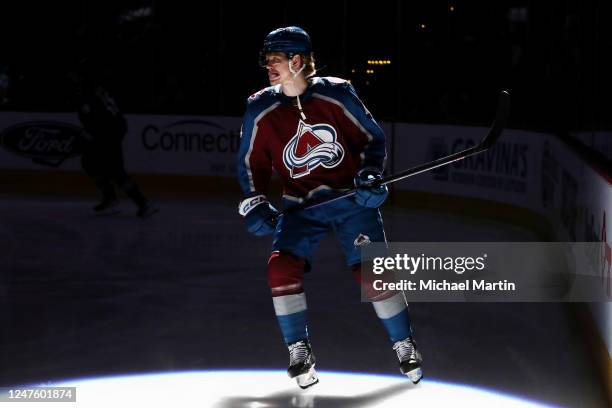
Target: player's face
(278, 68)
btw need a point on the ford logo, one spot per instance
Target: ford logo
(43, 140)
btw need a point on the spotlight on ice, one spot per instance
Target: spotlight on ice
(273, 389)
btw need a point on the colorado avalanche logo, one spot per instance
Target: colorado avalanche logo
(312, 146)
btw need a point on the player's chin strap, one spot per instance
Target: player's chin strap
(295, 74)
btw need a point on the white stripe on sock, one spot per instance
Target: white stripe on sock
(389, 307)
(289, 304)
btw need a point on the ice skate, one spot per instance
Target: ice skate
(410, 359)
(146, 210)
(108, 206)
(301, 364)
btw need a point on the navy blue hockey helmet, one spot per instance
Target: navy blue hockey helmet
(288, 40)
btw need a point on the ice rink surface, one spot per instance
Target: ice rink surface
(186, 290)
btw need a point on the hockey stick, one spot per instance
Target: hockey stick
(501, 118)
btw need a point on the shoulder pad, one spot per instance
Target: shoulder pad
(334, 83)
(263, 93)
(335, 80)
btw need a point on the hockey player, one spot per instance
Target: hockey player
(102, 159)
(320, 139)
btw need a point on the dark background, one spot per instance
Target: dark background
(127, 296)
(448, 58)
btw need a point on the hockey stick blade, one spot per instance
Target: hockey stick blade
(495, 131)
(501, 120)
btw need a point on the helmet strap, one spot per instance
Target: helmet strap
(293, 71)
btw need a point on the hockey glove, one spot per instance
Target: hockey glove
(366, 195)
(258, 214)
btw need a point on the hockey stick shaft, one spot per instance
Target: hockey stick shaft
(501, 119)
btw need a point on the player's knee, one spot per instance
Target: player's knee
(285, 273)
(366, 281)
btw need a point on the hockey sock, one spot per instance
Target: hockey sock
(393, 313)
(285, 275)
(291, 314)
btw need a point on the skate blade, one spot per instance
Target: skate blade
(415, 375)
(307, 379)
